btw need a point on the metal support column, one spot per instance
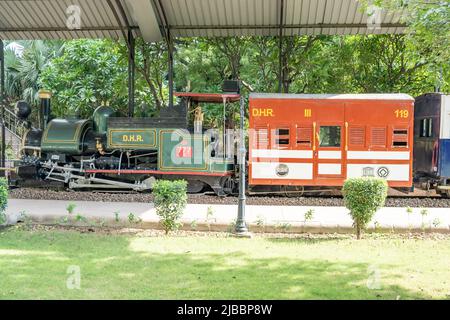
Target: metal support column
(241, 226)
(2, 105)
(224, 100)
(131, 72)
(170, 54)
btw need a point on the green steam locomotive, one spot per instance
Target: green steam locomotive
(111, 152)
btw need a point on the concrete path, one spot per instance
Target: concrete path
(222, 217)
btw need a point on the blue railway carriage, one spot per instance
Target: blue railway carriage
(432, 141)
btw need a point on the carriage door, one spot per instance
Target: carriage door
(329, 151)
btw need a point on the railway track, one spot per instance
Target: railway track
(397, 200)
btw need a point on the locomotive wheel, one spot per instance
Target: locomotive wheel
(195, 186)
(293, 191)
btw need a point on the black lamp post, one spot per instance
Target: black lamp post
(241, 227)
(2, 105)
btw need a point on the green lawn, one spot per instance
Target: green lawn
(33, 265)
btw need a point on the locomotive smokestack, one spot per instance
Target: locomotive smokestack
(45, 96)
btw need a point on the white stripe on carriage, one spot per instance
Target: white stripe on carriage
(391, 172)
(330, 154)
(379, 155)
(274, 153)
(329, 168)
(268, 170)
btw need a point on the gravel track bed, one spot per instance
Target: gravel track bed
(43, 194)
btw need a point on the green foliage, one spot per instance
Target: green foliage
(194, 224)
(26, 219)
(424, 212)
(209, 217)
(260, 222)
(152, 90)
(63, 220)
(427, 25)
(363, 197)
(23, 71)
(133, 219)
(71, 207)
(209, 213)
(81, 218)
(87, 73)
(170, 199)
(283, 226)
(3, 199)
(116, 216)
(436, 222)
(309, 215)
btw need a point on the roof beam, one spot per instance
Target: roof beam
(165, 29)
(116, 16)
(286, 26)
(49, 29)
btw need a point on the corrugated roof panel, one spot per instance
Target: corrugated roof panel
(47, 18)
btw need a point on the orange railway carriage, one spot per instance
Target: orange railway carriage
(322, 139)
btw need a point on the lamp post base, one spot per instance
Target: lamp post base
(244, 234)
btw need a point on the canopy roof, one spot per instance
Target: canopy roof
(52, 19)
(209, 97)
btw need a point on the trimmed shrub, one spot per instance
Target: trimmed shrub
(3, 199)
(170, 199)
(363, 197)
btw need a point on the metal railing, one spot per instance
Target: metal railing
(13, 123)
(14, 131)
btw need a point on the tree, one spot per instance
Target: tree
(427, 32)
(383, 63)
(151, 63)
(427, 25)
(363, 197)
(87, 73)
(23, 70)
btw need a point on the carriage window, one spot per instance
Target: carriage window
(330, 136)
(426, 127)
(400, 138)
(282, 132)
(282, 137)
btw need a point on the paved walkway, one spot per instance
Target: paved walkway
(222, 217)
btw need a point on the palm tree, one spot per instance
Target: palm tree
(23, 70)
